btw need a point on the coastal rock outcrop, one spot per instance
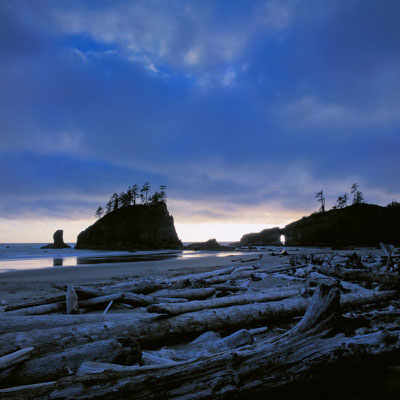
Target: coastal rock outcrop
(267, 237)
(356, 225)
(210, 245)
(58, 241)
(132, 227)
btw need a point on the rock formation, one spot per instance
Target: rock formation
(130, 228)
(267, 237)
(58, 241)
(211, 245)
(356, 225)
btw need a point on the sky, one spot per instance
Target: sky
(243, 109)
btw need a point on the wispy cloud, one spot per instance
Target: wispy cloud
(182, 35)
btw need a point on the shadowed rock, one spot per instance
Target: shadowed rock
(58, 241)
(132, 227)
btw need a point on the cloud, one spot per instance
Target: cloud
(186, 36)
(311, 111)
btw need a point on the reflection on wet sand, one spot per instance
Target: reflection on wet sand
(58, 262)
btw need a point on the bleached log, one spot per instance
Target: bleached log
(33, 303)
(202, 275)
(22, 323)
(24, 391)
(72, 304)
(361, 275)
(190, 294)
(230, 288)
(144, 286)
(101, 300)
(15, 358)
(152, 359)
(56, 365)
(191, 306)
(40, 310)
(152, 330)
(93, 367)
(288, 358)
(171, 300)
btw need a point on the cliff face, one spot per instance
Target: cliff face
(132, 227)
(267, 237)
(356, 225)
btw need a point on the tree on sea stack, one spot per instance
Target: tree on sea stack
(99, 212)
(321, 199)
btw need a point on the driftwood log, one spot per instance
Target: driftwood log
(57, 365)
(348, 274)
(175, 309)
(147, 330)
(307, 349)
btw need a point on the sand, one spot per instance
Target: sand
(32, 284)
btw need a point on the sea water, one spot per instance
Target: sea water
(22, 256)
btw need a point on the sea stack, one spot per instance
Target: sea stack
(131, 228)
(58, 241)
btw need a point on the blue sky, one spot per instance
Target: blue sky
(244, 109)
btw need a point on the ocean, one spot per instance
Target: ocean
(23, 256)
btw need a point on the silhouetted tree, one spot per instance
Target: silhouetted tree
(321, 199)
(134, 193)
(99, 212)
(155, 198)
(145, 189)
(115, 201)
(393, 204)
(359, 198)
(163, 193)
(354, 189)
(109, 206)
(125, 199)
(341, 201)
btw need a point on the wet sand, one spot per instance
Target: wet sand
(19, 285)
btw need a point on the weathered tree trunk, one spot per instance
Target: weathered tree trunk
(40, 310)
(72, 303)
(190, 294)
(57, 365)
(15, 358)
(101, 300)
(22, 323)
(148, 330)
(361, 275)
(175, 309)
(289, 358)
(39, 302)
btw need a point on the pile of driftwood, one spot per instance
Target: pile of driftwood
(217, 334)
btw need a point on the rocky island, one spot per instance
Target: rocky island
(355, 225)
(58, 241)
(132, 227)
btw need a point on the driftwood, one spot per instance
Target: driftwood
(40, 310)
(174, 309)
(147, 330)
(39, 302)
(361, 275)
(229, 288)
(291, 357)
(190, 294)
(101, 300)
(55, 366)
(15, 358)
(21, 323)
(72, 304)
